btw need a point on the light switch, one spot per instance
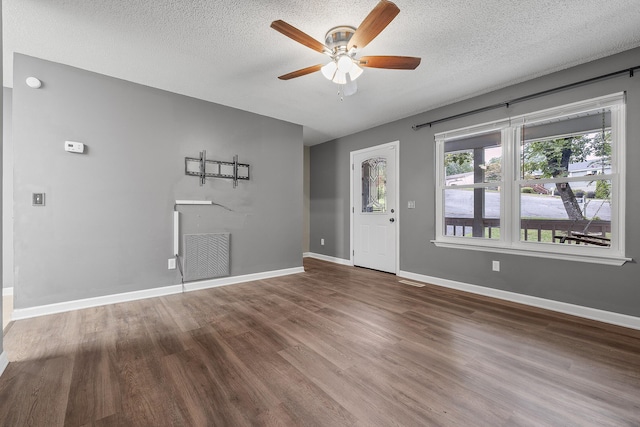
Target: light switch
(37, 199)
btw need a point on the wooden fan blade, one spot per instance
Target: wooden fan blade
(300, 73)
(373, 24)
(390, 62)
(297, 35)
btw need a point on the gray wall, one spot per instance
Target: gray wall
(306, 214)
(1, 143)
(7, 189)
(107, 224)
(604, 287)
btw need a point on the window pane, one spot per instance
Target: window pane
(473, 160)
(374, 185)
(566, 212)
(493, 164)
(472, 212)
(577, 145)
(458, 166)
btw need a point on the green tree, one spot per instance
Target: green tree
(551, 159)
(493, 170)
(601, 146)
(603, 190)
(459, 162)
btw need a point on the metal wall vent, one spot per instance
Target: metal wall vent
(206, 256)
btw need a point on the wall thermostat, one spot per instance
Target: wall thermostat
(74, 147)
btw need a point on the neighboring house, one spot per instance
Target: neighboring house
(586, 169)
(590, 167)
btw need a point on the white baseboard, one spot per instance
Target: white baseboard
(4, 362)
(561, 307)
(7, 291)
(335, 260)
(43, 310)
(225, 281)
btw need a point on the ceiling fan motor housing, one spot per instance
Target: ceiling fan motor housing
(337, 38)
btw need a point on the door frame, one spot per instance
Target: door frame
(396, 145)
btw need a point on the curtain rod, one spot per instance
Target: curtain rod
(528, 97)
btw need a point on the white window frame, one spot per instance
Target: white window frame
(509, 241)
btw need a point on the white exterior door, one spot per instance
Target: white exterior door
(375, 211)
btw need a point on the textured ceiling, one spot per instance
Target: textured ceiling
(225, 51)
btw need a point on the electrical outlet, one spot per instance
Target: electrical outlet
(172, 263)
(495, 265)
(322, 242)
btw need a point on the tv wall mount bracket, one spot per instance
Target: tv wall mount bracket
(203, 169)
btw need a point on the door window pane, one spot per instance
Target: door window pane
(374, 185)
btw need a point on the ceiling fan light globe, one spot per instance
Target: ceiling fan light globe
(355, 72)
(345, 63)
(350, 88)
(340, 77)
(329, 70)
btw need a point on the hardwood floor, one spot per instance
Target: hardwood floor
(335, 346)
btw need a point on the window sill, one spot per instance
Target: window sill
(589, 258)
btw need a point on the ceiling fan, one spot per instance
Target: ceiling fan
(342, 45)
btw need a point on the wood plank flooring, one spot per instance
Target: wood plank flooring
(335, 346)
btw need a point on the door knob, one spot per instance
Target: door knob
(392, 220)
